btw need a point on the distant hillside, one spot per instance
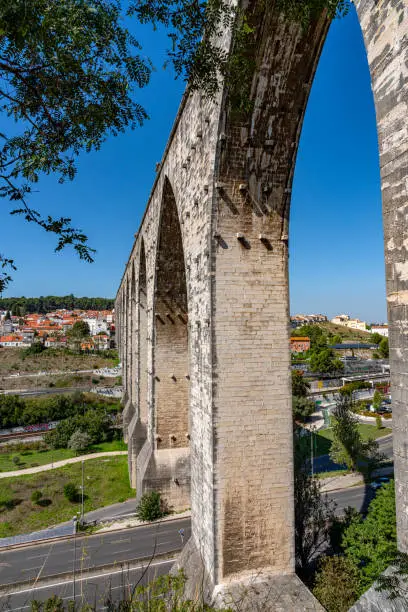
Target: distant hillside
(43, 304)
(345, 332)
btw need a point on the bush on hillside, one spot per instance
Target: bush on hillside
(71, 492)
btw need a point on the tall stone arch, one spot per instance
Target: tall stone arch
(234, 177)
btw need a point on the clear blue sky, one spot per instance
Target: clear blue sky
(336, 242)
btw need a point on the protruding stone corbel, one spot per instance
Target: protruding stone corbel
(265, 241)
(242, 240)
(159, 318)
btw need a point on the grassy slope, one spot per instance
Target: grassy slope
(346, 333)
(106, 482)
(11, 361)
(34, 458)
(324, 437)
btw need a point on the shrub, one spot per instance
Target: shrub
(71, 492)
(36, 496)
(337, 584)
(79, 441)
(378, 421)
(151, 507)
(16, 460)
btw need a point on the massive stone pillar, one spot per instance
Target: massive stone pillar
(385, 30)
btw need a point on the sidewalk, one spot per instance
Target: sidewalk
(58, 464)
(345, 481)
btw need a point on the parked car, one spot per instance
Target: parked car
(379, 482)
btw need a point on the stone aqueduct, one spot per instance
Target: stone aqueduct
(202, 308)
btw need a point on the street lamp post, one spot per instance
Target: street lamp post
(75, 518)
(82, 494)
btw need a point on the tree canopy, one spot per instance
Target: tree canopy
(68, 71)
(48, 303)
(371, 543)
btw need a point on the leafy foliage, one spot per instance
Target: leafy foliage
(94, 424)
(376, 338)
(300, 386)
(302, 407)
(16, 410)
(79, 441)
(36, 496)
(35, 349)
(371, 543)
(325, 362)
(151, 507)
(49, 303)
(313, 511)
(348, 447)
(71, 492)
(337, 583)
(67, 70)
(384, 349)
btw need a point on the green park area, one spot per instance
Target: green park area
(106, 482)
(27, 457)
(324, 437)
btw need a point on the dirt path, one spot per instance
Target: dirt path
(58, 464)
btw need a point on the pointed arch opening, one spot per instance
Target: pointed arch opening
(171, 363)
(142, 340)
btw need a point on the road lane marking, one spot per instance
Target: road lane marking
(100, 575)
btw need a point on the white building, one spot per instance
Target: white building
(380, 329)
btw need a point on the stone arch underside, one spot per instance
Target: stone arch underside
(171, 336)
(247, 527)
(163, 463)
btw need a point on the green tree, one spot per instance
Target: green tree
(302, 407)
(300, 386)
(314, 512)
(150, 507)
(8, 316)
(384, 349)
(35, 349)
(377, 399)
(348, 447)
(325, 362)
(376, 338)
(67, 74)
(371, 543)
(314, 332)
(337, 339)
(336, 584)
(79, 441)
(80, 329)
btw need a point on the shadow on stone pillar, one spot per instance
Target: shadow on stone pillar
(247, 592)
(166, 471)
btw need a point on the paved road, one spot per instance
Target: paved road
(94, 589)
(325, 464)
(42, 560)
(356, 497)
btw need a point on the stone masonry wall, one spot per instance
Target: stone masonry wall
(230, 177)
